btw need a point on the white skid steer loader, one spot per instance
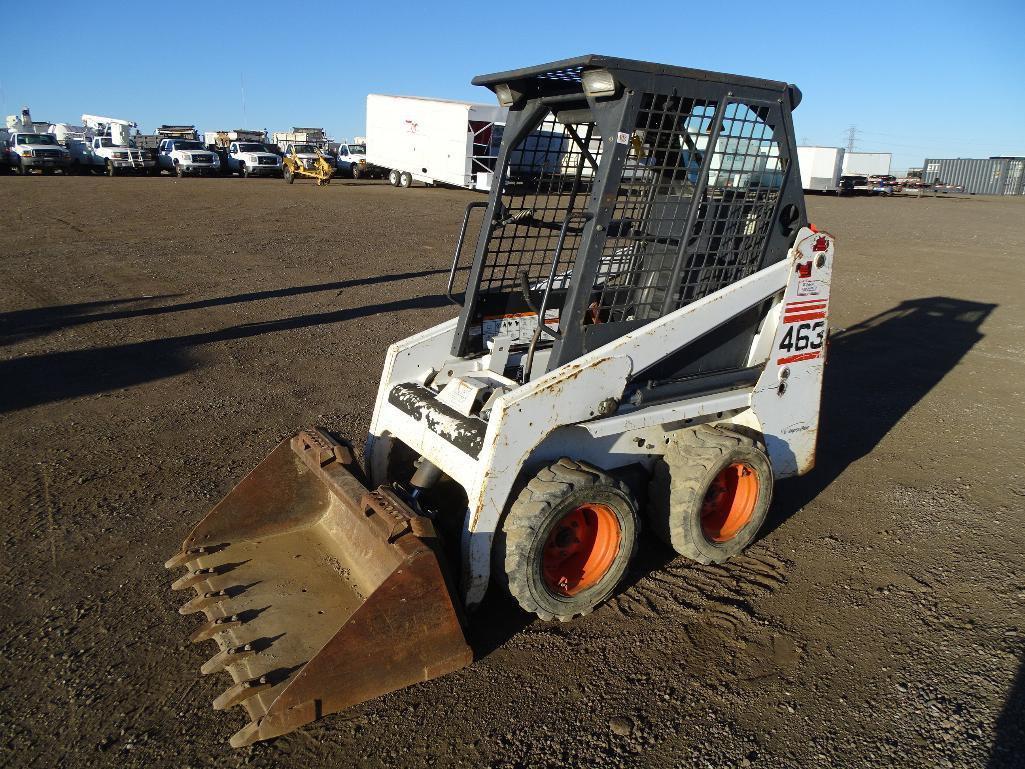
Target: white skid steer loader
(643, 326)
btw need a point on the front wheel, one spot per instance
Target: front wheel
(356, 172)
(567, 540)
(111, 170)
(243, 171)
(179, 171)
(288, 175)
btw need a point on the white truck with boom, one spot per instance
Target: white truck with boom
(29, 146)
(104, 144)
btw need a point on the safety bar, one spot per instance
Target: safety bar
(459, 249)
(585, 216)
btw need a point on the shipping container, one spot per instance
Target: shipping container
(821, 168)
(866, 164)
(978, 176)
(435, 141)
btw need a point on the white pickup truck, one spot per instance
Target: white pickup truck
(28, 151)
(352, 160)
(187, 157)
(105, 154)
(252, 159)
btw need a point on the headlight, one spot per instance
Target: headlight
(599, 82)
(120, 156)
(30, 154)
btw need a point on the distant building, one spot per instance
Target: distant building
(982, 176)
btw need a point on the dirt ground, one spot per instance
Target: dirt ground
(160, 336)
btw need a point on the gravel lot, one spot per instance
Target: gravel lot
(160, 336)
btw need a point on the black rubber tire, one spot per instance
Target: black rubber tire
(288, 176)
(355, 170)
(243, 171)
(548, 496)
(681, 479)
(405, 179)
(179, 171)
(20, 169)
(111, 170)
(393, 178)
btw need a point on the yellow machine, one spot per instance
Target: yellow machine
(306, 160)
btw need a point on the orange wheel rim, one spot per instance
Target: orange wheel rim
(729, 502)
(580, 549)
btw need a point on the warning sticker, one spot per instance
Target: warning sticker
(622, 138)
(808, 287)
(519, 327)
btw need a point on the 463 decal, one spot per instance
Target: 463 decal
(805, 332)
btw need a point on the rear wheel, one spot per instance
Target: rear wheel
(393, 178)
(567, 540)
(405, 179)
(709, 495)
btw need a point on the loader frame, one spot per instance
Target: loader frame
(650, 221)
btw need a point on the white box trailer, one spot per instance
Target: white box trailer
(821, 168)
(867, 164)
(434, 141)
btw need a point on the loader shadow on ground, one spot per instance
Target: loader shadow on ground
(1009, 741)
(24, 324)
(876, 372)
(36, 379)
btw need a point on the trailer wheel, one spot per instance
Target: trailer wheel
(567, 540)
(710, 493)
(405, 179)
(393, 178)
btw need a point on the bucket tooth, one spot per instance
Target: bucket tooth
(212, 628)
(200, 602)
(190, 579)
(229, 656)
(247, 735)
(184, 557)
(241, 691)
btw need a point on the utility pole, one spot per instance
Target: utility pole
(852, 133)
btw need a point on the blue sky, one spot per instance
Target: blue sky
(943, 79)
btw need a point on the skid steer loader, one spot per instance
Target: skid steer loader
(642, 329)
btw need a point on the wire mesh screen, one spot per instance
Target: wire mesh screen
(548, 178)
(667, 148)
(745, 179)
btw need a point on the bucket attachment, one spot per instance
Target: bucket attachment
(319, 593)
